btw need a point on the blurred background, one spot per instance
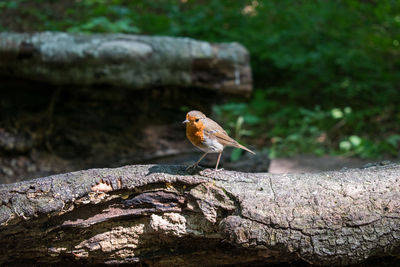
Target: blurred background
(326, 78)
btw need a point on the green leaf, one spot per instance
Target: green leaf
(251, 119)
(337, 113)
(394, 140)
(345, 145)
(244, 132)
(347, 110)
(355, 140)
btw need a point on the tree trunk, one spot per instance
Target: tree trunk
(124, 60)
(160, 215)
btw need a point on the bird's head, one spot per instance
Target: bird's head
(194, 118)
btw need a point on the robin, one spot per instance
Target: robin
(207, 135)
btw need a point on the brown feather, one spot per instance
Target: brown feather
(213, 129)
(245, 148)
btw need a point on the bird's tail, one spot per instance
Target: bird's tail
(245, 148)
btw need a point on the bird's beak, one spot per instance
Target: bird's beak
(185, 121)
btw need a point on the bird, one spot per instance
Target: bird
(207, 135)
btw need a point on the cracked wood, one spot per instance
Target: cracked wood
(160, 215)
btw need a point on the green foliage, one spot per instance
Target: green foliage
(103, 24)
(291, 129)
(327, 71)
(236, 154)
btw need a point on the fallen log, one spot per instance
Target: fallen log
(160, 215)
(123, 60)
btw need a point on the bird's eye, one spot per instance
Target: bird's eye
(196, 120)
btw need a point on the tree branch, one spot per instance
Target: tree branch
(160, 215)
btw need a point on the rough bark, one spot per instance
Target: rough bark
(123, 60)
(161, 215)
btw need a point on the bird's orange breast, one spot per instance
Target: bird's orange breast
(195, 133)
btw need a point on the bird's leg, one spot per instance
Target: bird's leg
(202, 157)
(219, 157)
(197, 163)
(208, 172)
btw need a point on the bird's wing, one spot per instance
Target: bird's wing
(213, 130)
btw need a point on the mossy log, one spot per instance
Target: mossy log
(160, 215)
(123, 60)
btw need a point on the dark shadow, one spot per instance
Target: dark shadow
(172, 169)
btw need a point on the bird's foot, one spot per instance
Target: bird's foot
(192, 168)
